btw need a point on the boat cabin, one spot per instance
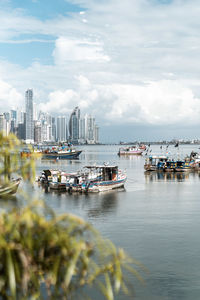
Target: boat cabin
(102, 172)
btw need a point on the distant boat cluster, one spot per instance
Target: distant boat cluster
(167, 164)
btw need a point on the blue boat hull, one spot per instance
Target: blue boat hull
(68, 155)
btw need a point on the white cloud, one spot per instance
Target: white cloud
(157, 103)
(9, 97)
(78, 50)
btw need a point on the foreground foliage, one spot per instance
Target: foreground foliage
(45, 256)
(11, 162)
(64, 253)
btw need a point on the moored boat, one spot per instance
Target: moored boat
(155, 163)
(74, 182)
(9, 188)
(169, 166)
(58, 181)
(108, 177)
(195, 164)
(142, 147)
(66, 153)
(133, 150)
(45, 177)
(182, 166)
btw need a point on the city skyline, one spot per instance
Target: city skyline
(132, 64)
(34, 126)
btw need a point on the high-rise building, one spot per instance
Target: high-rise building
(61, 134)
(35, 112)
(53, 133)
(82, 132)
(13, 115)
(37, 132)
(13, 120)
(21, 127)
(74, 124)
(96, 134)
(2, 123)
(89, 131)
(29, 116)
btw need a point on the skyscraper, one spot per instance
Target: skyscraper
(53, 129)
(89, 131)
(29, 116)
(61, 129)
(74, 124)
(2, 123)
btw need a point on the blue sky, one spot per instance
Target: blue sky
(42, 9)
(40, 47)
(132, 64)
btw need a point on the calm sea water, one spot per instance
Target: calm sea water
(156, 219)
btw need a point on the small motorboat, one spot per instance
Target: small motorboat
(9, 188)
(133, 150)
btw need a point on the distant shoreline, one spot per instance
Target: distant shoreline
(122, 144)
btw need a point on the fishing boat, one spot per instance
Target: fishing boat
(133, 150)
(58, 181)
(75, 181)
(195, 164)
(169, 166)
(142, 147)
(182, 166)
(105, 177)
(45, 177)
(9, 188)
(155, 163)
(64, 153)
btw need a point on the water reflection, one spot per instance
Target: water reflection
(130, 157)
(94, 204)
(105, 203)
(166, 176)
(59, 163)
(8, 203)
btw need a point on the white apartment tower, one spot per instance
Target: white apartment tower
(61, 133)
(89, 131)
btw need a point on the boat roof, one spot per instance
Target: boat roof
(102, 167)
(158, 156)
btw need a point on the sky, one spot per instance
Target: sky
(133, 64)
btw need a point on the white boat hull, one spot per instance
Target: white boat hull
(105, 186)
